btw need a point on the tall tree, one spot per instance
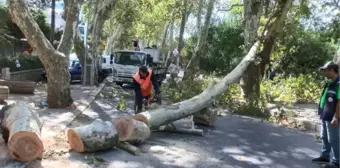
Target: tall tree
(194, 60)
(252, 11)
(250, 78)
(52, 21)
(58, 86)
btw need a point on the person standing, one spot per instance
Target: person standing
(329, 111)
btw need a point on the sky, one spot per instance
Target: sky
(325, 15)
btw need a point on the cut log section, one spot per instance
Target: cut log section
(129, 148)
(166, 115)
(4, 94)
(191, 131)
(206, 117)
(23, 87)
(131, 130)
(97, 136)
(22, 124)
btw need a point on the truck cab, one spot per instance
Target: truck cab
(126, 64)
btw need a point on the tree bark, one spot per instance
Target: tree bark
(52, 21)
(101, 13)
(191, 131)
(58, 87)
(129, 148)
(194, 60)
(181, 32)
(206, 117)
(71, 24)
(23, 126)
(250, 81)
(274, 29)
(131, 130)
(166, 115)
(199, 15)
(4, 93)
(23, 87)
(97, 136)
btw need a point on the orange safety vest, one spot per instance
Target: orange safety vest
(146, 84)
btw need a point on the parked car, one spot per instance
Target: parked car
(74, 69)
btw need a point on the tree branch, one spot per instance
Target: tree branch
(230, 8)
(21, 16)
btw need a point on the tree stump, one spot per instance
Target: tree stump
(4, 93)
(131, 130)
(206, 117)
(97, 136)
(21, 130)
(23, 87)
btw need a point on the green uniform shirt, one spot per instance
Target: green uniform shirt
(323, 96)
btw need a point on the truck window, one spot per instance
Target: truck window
(129, 58)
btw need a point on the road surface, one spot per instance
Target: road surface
(234, 143)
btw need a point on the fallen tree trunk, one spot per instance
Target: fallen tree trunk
(21, 130)
(131, 130)
(191, 131)
(207, 117)
(23, 87)
(97, 136)
(166, 115)
(129, 148)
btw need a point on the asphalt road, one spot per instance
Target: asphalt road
(234, 143)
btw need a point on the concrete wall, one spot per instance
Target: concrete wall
(31, 75)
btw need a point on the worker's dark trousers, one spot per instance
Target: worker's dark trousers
(156, 87)
(138, 98)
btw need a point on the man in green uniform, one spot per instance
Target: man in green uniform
(329, 111)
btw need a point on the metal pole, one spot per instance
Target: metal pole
(85, 62)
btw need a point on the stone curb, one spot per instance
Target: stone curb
(304, 125)
(307, 125)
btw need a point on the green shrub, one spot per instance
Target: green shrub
(306, 88)
(26, 63)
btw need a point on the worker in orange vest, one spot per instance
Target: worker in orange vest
(142, 85)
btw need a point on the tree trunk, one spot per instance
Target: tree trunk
(275, 28)
(191, 131)
(23, 87)
(97, 136)
(113, 39)
(4, 93)
(131, 130)
(206, 117)
(181, 32)
(58, 87)
(194, 60)
(24, 126)
(166, 115)
(52, 21)
(129, 148)
(337, 57)
(101, 13)
(169, 55)
(250, 81)
(71, 24)
(199, 16)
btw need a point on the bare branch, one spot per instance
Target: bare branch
(230, 8)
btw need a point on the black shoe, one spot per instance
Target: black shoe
(331, 165)
(321, 160)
